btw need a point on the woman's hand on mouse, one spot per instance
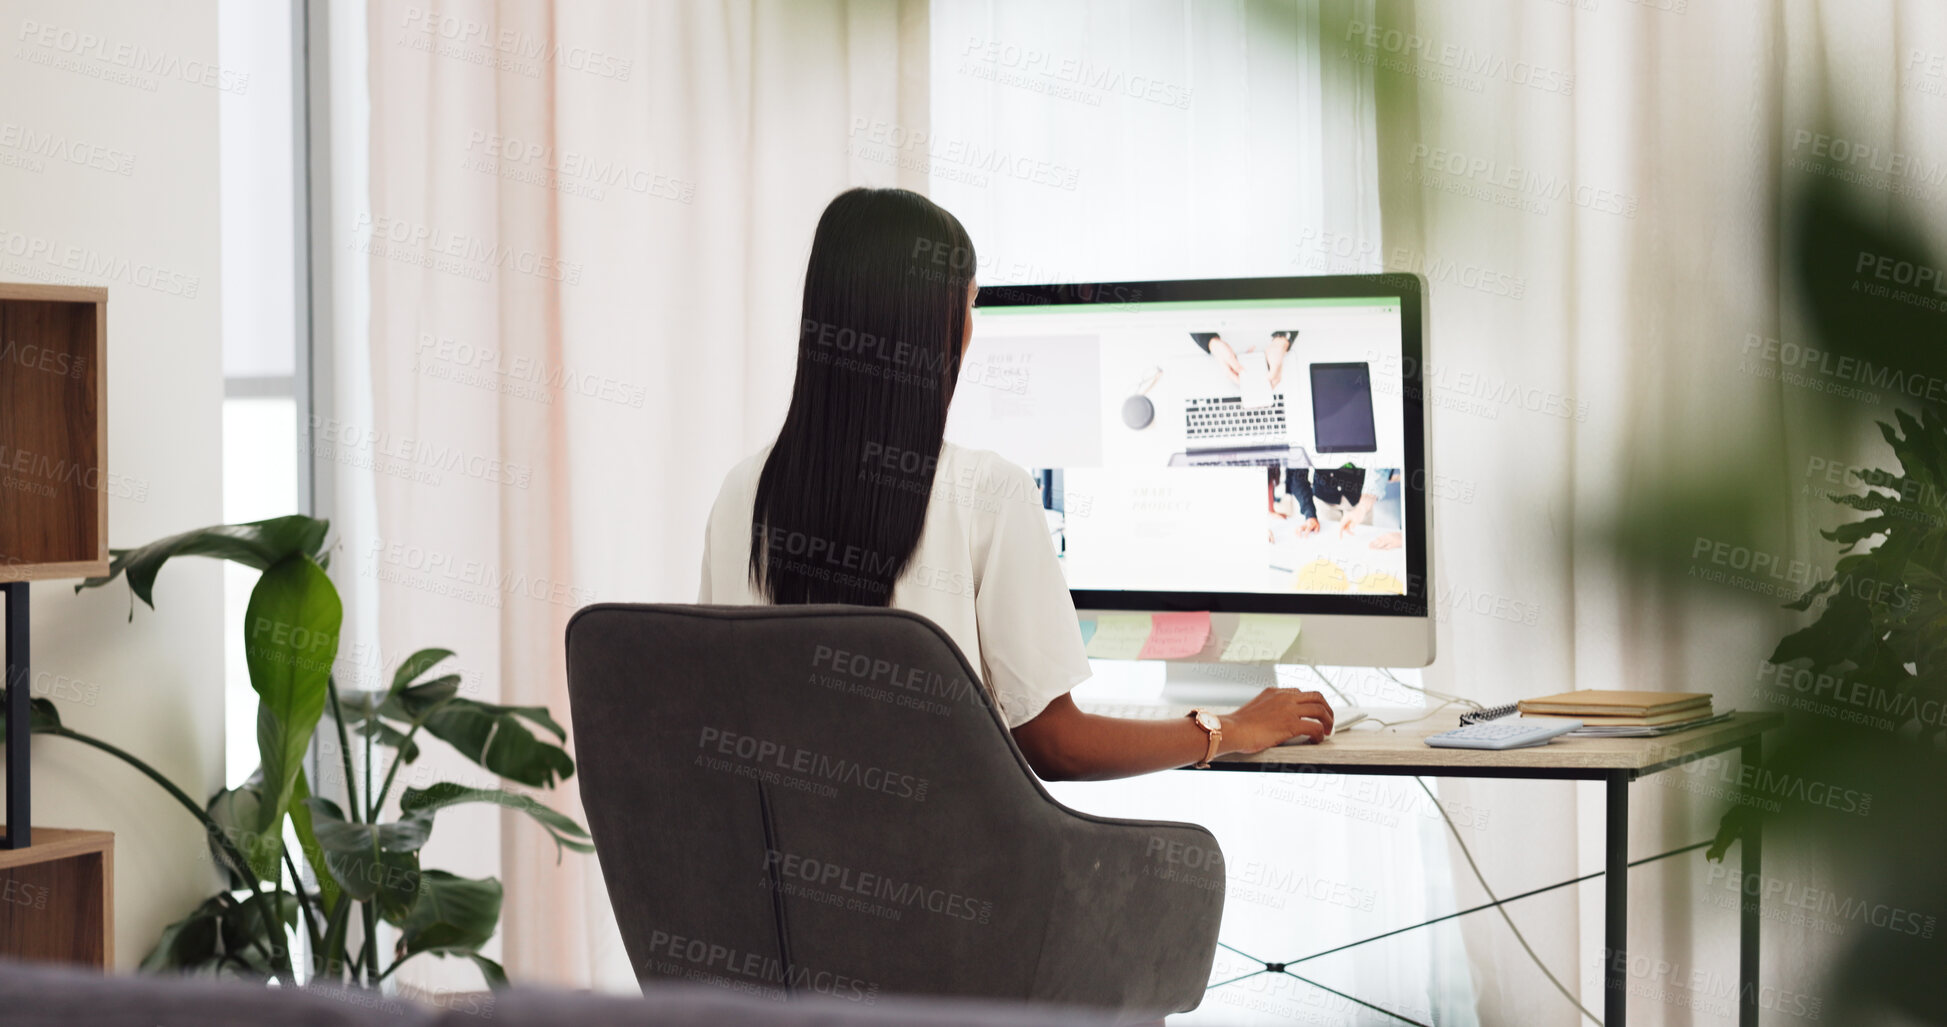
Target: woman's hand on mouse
(1277, 716)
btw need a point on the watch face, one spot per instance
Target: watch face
(1207, 720)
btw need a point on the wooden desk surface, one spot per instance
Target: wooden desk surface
(1367, 749)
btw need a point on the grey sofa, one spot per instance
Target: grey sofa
(823, 800)
(43, 995)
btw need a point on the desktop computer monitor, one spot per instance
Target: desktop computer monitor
(1251, 445)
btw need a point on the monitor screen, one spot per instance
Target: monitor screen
(1237, 445)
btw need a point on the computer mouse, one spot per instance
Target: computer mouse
(1138, 411)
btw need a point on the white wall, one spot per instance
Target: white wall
(134, 84)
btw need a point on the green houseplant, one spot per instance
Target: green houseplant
(1861, 675)
(364, 869)
(1878, 652)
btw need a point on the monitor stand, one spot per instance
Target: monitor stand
(1216, 684)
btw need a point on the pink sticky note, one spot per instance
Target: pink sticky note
(1174, 635)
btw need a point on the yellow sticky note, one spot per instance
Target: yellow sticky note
(1261, 637)
(1118, 636)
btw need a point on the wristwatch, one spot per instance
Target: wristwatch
(1214, 728)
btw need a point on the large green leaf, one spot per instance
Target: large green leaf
(566, 833)
(258, 544)
(496, 737)
(290, 638)
(453, 916)
(372, 861)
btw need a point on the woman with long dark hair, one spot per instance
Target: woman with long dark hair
(861, 501)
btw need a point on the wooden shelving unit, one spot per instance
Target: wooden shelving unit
(57, 898)
(53, 432)
(53, 482)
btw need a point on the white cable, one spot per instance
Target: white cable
(1449, 700)
(1375, 721)
(1503, 910)
(1397, 723)
(1430, 692)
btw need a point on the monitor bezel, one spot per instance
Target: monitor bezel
(1411, 291)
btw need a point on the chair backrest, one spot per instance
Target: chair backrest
(814, 797)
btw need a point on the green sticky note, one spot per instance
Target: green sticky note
(1088, 631)
(1118, 636)
(1261, 638)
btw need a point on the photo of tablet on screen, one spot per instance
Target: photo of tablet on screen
(1342, 408)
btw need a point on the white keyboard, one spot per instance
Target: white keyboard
(1342, 716)
(1507, 733)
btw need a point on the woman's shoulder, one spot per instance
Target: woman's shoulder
(984, 460)
(749, 467)
(741, 479)
(981, 480)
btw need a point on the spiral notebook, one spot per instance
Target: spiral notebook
(1490, 713)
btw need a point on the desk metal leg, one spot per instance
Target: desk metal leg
(1751, 854)
(1615, 880)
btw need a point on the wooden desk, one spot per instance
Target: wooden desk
(1367, 749)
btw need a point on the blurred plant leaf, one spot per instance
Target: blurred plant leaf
(1837, 254)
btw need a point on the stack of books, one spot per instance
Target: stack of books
(1615, 714)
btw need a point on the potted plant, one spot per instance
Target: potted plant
(363, 868)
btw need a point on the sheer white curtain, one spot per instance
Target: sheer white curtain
(1103, 141)
(1110, 141)
(586, 231)
(1596, 192)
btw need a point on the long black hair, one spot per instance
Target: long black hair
(843, 495)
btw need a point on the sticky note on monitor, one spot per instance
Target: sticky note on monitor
(1088, 632)
(1119, 636)
(1173, 636)
(1261, 637)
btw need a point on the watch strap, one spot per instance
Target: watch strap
(1213, 737)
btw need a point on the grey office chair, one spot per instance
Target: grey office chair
(822, 800)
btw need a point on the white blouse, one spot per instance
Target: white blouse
(985, 571)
